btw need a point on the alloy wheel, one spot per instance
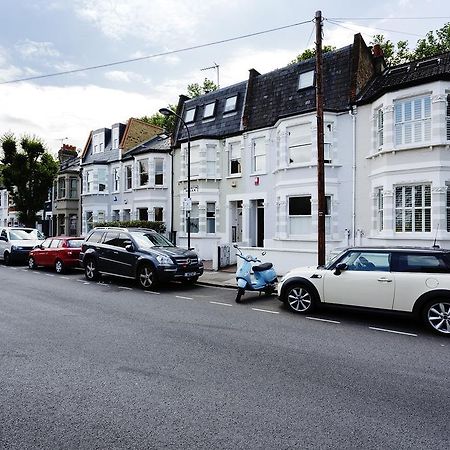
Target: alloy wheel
(299, 299)
(146, 277)
(438, 317)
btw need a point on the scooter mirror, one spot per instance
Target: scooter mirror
(263, 253)
(235, 245)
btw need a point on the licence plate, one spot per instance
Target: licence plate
(190, 274)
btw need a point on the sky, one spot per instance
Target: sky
(41, 37)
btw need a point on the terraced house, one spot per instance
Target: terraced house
(254, 157)
(107, 182)
(403, 141)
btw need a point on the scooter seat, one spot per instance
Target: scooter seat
(262, 267)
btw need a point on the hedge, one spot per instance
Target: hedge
(160, 227)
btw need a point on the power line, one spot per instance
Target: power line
(171, 52)
(374, 28)
(388, 18)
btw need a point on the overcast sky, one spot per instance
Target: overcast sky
(39, 37)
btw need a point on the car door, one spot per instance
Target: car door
(125, 259)
(52, 252)
(3, 242)
(40, 253)
(366, 281)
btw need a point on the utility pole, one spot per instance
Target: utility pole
(320, 139)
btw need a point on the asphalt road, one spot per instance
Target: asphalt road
(87, 365)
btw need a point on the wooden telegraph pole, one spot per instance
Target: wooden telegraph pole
(320, 152)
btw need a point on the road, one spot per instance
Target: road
(107, 365)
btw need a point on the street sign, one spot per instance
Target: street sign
(187, 203)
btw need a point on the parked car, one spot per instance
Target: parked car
(17, 242)
(413, 280)
(137, 253)
(58, 252)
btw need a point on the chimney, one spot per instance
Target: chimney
(248, 97)
(378, 58)
(67, 152)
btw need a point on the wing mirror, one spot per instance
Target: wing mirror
(235, 245)
(339, 268)
(129, 248)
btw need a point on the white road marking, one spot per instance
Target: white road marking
(64, 278)
(219, 303)
(12, 268)
(124, 287)
(152, 292)
(24, 270)
(49, 275)
(186, 298)
(86, 282)
(393, 331)
(266, 311)
(322, 320)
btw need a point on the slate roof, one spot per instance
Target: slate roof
(264, 99)
(156, 144)
(407, 75)
(222, 124)
(276, 95)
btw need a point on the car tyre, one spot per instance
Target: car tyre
(59, 266)
(32, 263)
(90, 270)
(7, 259)
(436, 316)
(146, 276)
(300, 298)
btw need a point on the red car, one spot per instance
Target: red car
(58, 252)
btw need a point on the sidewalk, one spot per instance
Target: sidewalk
(218, 278)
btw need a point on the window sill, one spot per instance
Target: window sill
(235, 175)
(402, 148)
(257, 174)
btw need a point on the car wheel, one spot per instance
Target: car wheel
(59, 266)
(90, 270)
(300, 298)
(31, 263)
(436, 315)
(7, 259)
(146, 276)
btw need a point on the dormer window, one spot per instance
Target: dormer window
(306, 79)
(209, 110)
(230, 104)
(115, 138)
(189, 115)
(98, 141)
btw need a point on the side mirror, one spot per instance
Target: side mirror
(2, 238)
(339, 268)
(129, 248)
(235, 245)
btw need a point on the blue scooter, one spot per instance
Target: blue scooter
(264, 276)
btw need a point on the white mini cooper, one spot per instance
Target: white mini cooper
(415, 280)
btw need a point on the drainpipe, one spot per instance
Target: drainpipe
(353, 113)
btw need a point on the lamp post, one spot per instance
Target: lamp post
(188, 204)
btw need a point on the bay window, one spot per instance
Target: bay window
(413, 208)
(412, 120)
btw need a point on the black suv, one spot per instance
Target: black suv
(137, 253)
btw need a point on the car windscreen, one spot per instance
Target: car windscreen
(20, 235)
(75, 243)
(33, 234)
(144, 239)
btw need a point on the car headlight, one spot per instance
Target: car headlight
(15, 247)
(164, 260)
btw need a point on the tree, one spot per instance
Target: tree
(195, 89)
(28, 174)
(311, 53)
(167, 123)
(434, 43)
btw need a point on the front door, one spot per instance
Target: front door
(260, 223)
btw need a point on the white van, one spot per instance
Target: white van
(16, 243)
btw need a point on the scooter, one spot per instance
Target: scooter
(264, 276)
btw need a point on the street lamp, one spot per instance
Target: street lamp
(169, 112)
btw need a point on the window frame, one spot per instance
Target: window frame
(255, 157)
(290, 216)
(405, 210)
(210, 217)
(143, 171)
(128, 177)
(230, 104)
(189, 115)
(211, 114)
(158, 178)
(232, 159)
(309, 79)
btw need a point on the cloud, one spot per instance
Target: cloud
(125, 77)
(69, 111)
(34, 49)
(8, 71)
(157, 21)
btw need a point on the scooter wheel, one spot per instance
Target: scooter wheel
(239, 294)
